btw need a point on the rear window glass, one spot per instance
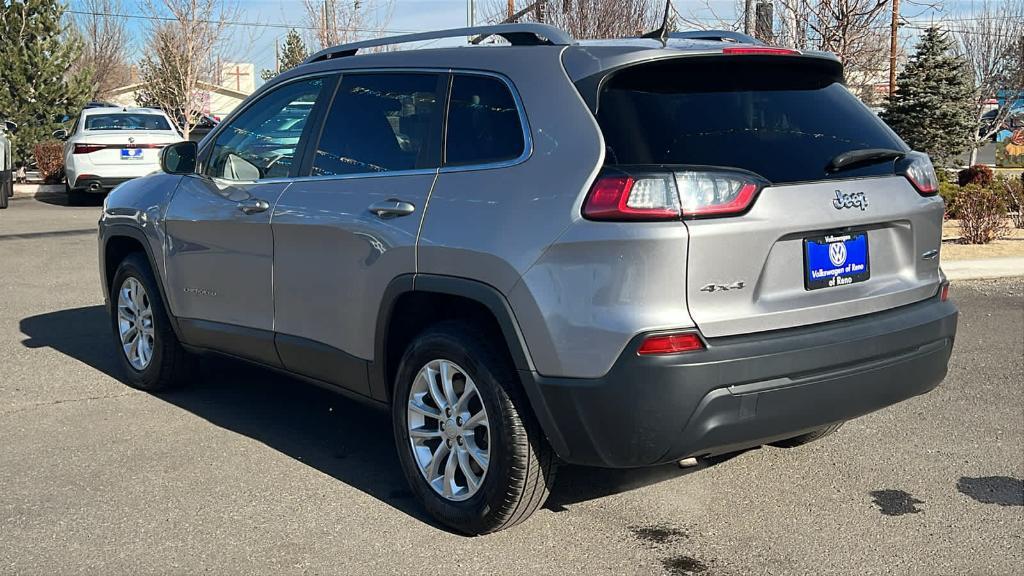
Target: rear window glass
(483, 122)
(784, 120)
(125, 121)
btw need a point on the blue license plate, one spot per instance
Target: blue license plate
(131, 153)
(836, 260)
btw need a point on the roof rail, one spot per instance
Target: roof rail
(716, 36)
(524, 34)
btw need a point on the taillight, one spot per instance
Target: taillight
(759, 51)
(670, 195)
(715, 193)
(917, 168)
(87, 148)
(627, 197)
(674, 343)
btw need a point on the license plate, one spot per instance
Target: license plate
(836, 260)
(131, 153)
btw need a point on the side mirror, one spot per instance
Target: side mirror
(60, 134)
(179, 158)
(10, 126)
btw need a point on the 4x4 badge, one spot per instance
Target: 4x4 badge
(852, 200)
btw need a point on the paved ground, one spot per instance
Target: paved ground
(248, 472)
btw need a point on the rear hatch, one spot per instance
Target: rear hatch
(796, 196)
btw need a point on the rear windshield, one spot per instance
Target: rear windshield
(778, 117)
(126, 121)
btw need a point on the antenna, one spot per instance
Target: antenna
(661, 33)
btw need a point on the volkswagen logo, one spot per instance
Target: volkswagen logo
(837, 254)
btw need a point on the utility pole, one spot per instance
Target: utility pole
(894, 33)
(470, 13)
(511, 8)
(277, 55)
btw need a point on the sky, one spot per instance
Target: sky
(255, 43)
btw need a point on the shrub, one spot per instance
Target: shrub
(949, 191)
(1013, 195)
(49, 156)
(979, 174)
(982, 215)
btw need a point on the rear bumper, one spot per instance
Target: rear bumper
(744, 391)
(98, 184)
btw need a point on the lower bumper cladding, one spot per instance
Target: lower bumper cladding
(745, 391)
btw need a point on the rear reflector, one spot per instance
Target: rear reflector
(87, 148)
(944, 292)
(767, 51)
(671, 344)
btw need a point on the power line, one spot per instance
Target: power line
(230, 22)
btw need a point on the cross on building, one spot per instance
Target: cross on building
(237, 73)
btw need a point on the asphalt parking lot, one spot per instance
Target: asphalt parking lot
(246, 471)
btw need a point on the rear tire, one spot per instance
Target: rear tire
(135, 303)
(520, 464)
(807, 438)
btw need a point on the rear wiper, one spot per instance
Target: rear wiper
(863, 157)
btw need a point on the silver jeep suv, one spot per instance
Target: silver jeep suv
(610, 253)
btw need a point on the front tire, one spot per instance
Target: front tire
(468, 444)
(150, 355)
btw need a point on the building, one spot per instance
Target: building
(237, 82)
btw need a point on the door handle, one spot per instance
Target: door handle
(253, 206)
(392, 208)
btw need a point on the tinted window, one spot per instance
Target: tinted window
(380, 123)
(126, 121)
(261, 142)
(483, 122)
(784, 120)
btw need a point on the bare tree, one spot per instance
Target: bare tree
(336, 22)
(104, 37)
(590, 18)
(183, 50)
(992, 41)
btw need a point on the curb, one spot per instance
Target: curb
(30, 190)
(987, 268)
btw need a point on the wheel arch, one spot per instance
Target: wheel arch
(413, 301)
(118, 241)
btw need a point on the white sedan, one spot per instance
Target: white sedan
(107, 146)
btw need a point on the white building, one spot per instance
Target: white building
(237, 82)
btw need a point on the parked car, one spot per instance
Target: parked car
(1013, 120)
(202, 126)
(616, 253)
(108, 146)
(6, 163)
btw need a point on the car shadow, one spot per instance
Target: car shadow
(343, 438)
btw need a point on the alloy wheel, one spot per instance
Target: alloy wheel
(448, 430)
(135, 323)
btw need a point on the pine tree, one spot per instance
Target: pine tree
(36, 88)
(292, 55)
(932, 109)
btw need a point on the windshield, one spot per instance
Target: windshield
(126, 121)
(778, 117)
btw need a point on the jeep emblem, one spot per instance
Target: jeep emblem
(852, 200)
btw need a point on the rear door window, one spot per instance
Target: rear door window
(381, 123)
(782, 118)
(484, 126)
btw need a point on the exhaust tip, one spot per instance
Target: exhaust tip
(94, 187)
